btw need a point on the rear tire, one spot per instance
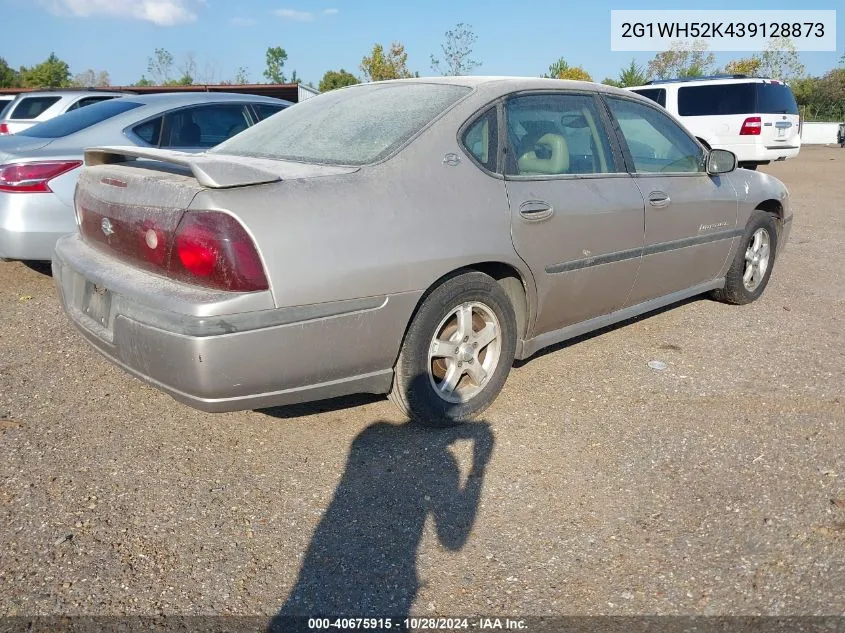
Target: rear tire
(751, 268)
(457, 352)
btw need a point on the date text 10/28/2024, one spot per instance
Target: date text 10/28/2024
(417, 624)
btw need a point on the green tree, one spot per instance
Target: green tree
(159, 67)
(632, 75)
(562, 70)
(457, 49)
(9, 77)
(780, 60)
(276, 58)
(682, 60)
(381, 65)
(334, 79)
(610, 81)
(746, 66)
(143, 81)
(51, 73)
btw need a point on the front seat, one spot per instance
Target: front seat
(189, 135)
(553, 157)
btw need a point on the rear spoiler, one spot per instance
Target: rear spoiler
(216, 172)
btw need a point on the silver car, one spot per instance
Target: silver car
(409, 237)
(39, 167)
(31, 108)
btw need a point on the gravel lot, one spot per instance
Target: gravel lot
(714, 487)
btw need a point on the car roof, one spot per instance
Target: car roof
(180, 98)
(715, 80)
(507, 83)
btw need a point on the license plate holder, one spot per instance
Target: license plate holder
(96, 304)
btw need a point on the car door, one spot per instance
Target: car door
(576, 216)
(690, 216)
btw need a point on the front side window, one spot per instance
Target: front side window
(266, 110)
(354, 126)
(556, 134)
(656, 143)
(481, 139)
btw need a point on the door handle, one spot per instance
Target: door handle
(536, 210)
(659, 199)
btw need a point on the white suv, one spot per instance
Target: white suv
(757, 119)
(29, 108)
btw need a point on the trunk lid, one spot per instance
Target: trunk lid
(12, 146)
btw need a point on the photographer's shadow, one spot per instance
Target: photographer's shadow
(361, 561)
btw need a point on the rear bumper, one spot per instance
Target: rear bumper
(759, 153)
(238, 361)
(30, 225)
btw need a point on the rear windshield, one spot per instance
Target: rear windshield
(79, 119)
(32, 107)
(738, 98)
(658, 95)
(353, 126)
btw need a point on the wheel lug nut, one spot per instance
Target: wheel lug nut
(457, 350)
(460, 364)
(466, 338)
(475, 344)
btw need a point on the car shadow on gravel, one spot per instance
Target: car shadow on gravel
(361, 561)
(321, 406)
(45, 268)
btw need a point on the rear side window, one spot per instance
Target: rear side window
(79, 119)
(717, 99)
(32, 107)
(266, 110)
(481, 140)
(204, 126)
(658, 95)
(87, 101)
(775, 99)
(354, 126)
(150, 131)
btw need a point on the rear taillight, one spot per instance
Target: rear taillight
(207, 248)
(800, 122)
(214, 249)
(752, 126)
(33, 177)
(4, 129)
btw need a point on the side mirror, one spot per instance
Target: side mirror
(720, 161)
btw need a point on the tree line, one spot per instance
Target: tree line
(819, 97)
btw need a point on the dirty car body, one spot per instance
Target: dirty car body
(299, 260)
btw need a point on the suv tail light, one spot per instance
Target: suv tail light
(206, 248)
(4, 129)
(752, 126)
(800, 122)
(33, 177)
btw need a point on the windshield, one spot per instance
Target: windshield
(353, 126)
(80, 119)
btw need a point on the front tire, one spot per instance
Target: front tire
(751, 268)
(457, 352)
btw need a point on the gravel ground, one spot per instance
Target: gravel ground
(714, 487)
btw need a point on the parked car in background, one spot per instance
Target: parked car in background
(39, 167)
(410, 237)
(757, 119)
(4, 101)
(840, 135)
(30, 108)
